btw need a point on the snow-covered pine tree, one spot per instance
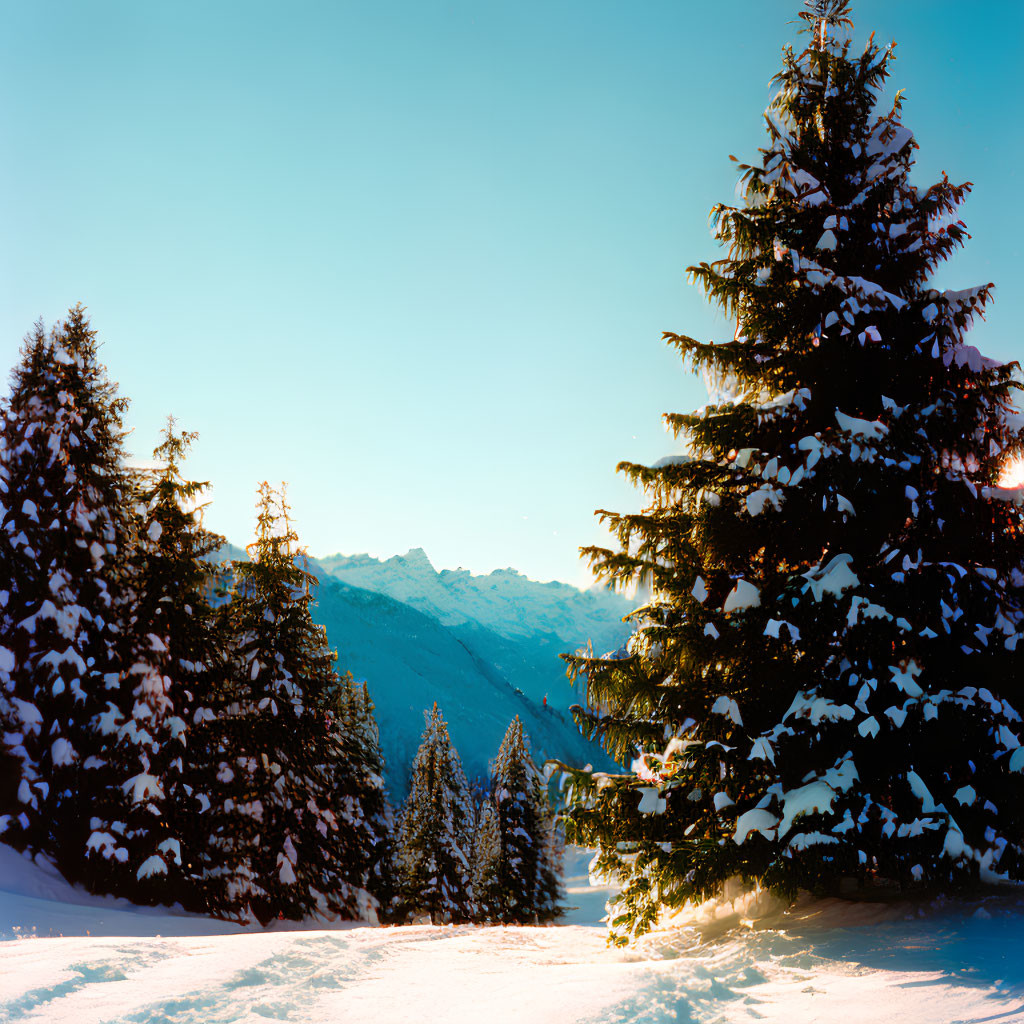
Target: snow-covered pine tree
(527, 870)
(63, 539)
(171, 651)
(830, 646)
(550, 887)
(486, 861)
(435, 832)
(276, 839)
(355, 781)
(11, 725)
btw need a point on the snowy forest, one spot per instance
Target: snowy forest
(174, 730)
(818, 706)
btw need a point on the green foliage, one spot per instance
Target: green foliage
(528, 867)
(281, 826)
(147, 840)
(160, 742)
(487, 865)
(435, 833)
(354, 776)
(824, 681)
(63, 544)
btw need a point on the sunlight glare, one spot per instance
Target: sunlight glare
(1012, 475)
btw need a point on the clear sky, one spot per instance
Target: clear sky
(415, 257)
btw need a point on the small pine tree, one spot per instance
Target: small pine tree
(435, 834)
(550, 890)
(830, 646)
(487, 864)
(355, 782)
(170, 651)
(64, 534)
(527, 879)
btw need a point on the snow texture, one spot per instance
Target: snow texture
(828, 960)
(756, 820)
(835, 577)
(743, 595)
(810, 799)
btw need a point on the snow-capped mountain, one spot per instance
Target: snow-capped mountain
(504, 601)
(506, 620)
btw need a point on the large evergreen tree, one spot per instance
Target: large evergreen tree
(830, 645)
(64, 533)
(435, 832)
(528, 864)
(281, 830)
(170, 652)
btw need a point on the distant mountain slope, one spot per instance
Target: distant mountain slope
(531, 664)
(410, 659)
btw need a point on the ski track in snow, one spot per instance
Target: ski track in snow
(510, 975)
(824, 961)
(362, 974)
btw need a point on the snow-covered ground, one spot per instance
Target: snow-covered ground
(70, 957)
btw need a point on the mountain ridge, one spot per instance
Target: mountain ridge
(505, 600)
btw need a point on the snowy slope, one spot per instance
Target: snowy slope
(822, 963)
(504, 601)
(36, 902)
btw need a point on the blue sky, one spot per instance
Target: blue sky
(415, 258)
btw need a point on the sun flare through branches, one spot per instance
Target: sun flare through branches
(1012, 476)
